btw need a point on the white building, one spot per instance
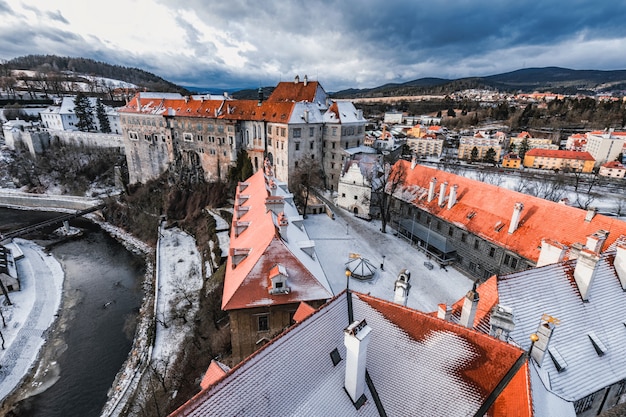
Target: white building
(605, 146)
(355, 188)
(63, 117)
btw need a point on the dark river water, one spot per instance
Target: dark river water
(98, 272)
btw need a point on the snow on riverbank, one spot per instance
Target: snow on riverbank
(34, 308)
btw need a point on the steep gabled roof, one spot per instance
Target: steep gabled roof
(310, 91)
(419, 365)
(257, 246)
(486, 211)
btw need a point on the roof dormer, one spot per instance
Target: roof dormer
(278, 280)
(238, 255)
(240, 227)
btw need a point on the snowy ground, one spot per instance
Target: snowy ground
(336, 239)
(179, 281)
(33, 311)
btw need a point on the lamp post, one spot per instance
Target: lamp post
(382, 265)
(349, 296)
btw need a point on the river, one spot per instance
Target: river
(102, 295)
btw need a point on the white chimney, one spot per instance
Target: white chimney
(306, 79)
(296, 80)
(517, 211)
(442, 193)
(596, 240)
(402, 287)
(356, 339)
(444, 312)
(413, 161)
(431, 189)
(275, 203)
(540, 345)
(470, 305)
(620, 263)
(452, 197)
(591, 212)
(551, 252)
(501, 322)
(585, 272)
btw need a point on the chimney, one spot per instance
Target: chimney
(272, 187)
(470, 305)
(541, 340)
(517, 211)
(442, 193)
(620, 263)
(296, 80)
(585, 272)
(402, 287)
(452, 197)
(444, 312)
(306, 116)
(551, 252)
(274, 203)
(260, 93)
(431, 189)
(501, 322)
(283, 223)
(596, 240)
(591, 212)
(356, 339)
(413, 161)
(306, 79)
(575, 250)
(138, 102)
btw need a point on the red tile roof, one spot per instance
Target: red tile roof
(291, 91)
(557, 153)
(246, 283)
(304, 310)
(614, 164)
(492, 209)
(438, 359)
(215, 372)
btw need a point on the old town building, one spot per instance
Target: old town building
(203, 134)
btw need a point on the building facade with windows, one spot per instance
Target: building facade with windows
(482, 228)
(482, 142)
(272, 265)
(297, 121)
(559, 160)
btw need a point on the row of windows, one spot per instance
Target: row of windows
(311, 145)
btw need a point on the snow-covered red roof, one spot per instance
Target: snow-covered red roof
(258, 245)
(486, 211)
(419, 365)
(552, 290)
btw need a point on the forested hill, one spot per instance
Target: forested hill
(48, 64)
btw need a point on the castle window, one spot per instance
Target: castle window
(297, 132)
(311, 131)
(263, 323)
(187, 137)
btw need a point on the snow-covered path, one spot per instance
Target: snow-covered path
(336, 239)
(34, 310)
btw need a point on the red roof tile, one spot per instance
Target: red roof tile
(245, 284)
(492, 209)
(292, 91)
(213, 374)
(557, 153)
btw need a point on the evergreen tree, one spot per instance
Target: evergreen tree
(474, 154)
(523, 148)
(84, 113)
(490, 156)
(101, 114)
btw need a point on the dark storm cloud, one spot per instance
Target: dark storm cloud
(350, 43)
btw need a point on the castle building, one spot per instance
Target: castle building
(203, 134)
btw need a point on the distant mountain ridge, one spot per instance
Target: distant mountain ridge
(58, 64)
(553, 79)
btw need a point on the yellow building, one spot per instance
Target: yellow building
(557, 159)
(511, 160)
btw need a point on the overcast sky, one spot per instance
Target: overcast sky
(341, 43)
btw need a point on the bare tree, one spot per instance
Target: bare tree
(307, 175)
(385, 182)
